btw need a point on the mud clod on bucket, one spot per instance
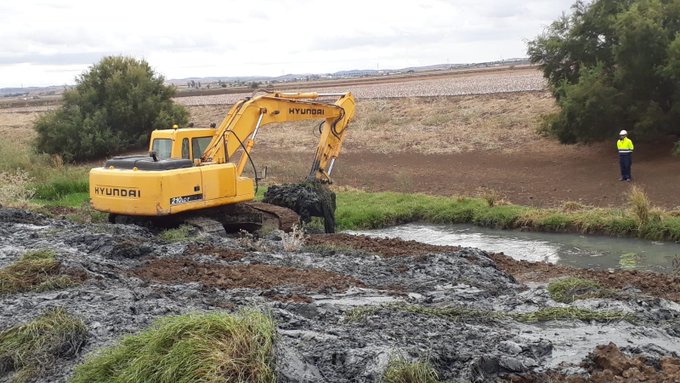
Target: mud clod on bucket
(308, 199)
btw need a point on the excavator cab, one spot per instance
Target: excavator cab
(188, 143)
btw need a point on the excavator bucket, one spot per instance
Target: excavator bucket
(308, 199)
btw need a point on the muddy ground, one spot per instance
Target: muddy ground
(345, 305)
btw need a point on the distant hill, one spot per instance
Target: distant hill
(225, 81)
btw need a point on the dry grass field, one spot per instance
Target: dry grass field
(459, 134)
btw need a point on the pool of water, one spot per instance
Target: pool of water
(566, 249)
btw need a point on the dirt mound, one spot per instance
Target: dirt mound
(384, 246)
(609, 364)
(173, 271)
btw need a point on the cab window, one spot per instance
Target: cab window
(185, 148)
(162, 147)
(198, 145)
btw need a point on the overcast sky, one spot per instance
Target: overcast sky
(50, 42)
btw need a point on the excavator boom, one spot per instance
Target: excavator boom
(238, 130)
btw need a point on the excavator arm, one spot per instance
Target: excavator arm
(238, 130)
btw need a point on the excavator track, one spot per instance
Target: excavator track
(207, 225)
(286, 217)
(249, 216)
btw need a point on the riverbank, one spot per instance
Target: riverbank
(342, 308)
(361, 210)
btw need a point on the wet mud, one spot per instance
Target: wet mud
(344, 306)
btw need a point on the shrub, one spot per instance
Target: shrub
(114, 107)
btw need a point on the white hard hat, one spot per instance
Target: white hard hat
(623, 133)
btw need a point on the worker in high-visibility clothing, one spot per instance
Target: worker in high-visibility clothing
(625, 147)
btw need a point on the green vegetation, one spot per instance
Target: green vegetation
(573, 313)
(567, 290)
(179, 234)
(361, 210)
(401, 371)
(455, 314)
(190, 348)
(613, 65)
(61, 187)
(34, 271)
(27, 349)
(113, 108)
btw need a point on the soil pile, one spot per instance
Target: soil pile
(344, 306)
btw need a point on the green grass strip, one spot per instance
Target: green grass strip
(361, 210)
(190, 348)
(35, 271)
(28, 349)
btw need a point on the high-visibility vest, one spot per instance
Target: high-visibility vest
(625, 145)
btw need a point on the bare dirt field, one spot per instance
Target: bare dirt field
(464, 145)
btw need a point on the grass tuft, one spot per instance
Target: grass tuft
(28, 349)
(190, 348)
(35, 271)
(179, 234)
(401, 371)
(573, 313)
(567, 290)
(639, 204)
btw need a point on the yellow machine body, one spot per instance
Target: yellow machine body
(194, 169)
(157, 193)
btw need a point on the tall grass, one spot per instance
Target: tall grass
(639, 203)
(28, 349)
(191, 348)
(15, 189)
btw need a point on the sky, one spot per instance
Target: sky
(51, 42)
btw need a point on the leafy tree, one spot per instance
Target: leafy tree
(114, 107)
(612, 65)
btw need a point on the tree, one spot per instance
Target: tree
(612, 65)
(113, 107)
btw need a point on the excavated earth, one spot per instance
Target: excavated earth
(344, 306)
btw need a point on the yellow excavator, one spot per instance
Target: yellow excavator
(195, 175)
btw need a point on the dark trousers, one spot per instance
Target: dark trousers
(625, 161)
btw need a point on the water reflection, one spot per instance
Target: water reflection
(569, 249)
